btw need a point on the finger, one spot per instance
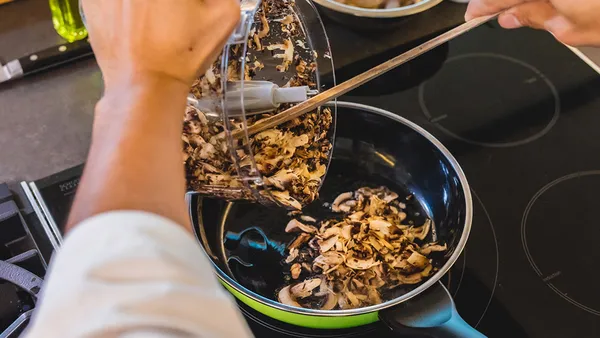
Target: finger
(531, 14)
(479, 8)
(542, 15)
(566, 32)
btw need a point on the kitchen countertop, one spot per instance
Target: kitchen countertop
(46, 119)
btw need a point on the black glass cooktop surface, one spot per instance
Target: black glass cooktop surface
(521, 113)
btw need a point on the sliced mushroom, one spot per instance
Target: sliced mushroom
(334, 231)
(375, 243)
(292, 256)
(402, 226)
(361, 297)
(402, 216)
(352, 298)
(306, 267)
(427, 249)
(422, 231)
(308, 219)
(323, 288)
(282, 179)
(418, 260)
(265, 26)
(402, 264)
(342, 301)
(374, 296)
(285, 199)
(347, 205)
(284, 296)
(295, 270)
(347, 231)
(295, 226)
(376, 205)
(301, 239)
(330, 302)
(410, 279)
(358, 283)
(326, 245)
(304, 289)
(335, 206)
(390, 196)
(210, 75)
(361, 264)
(357, 216)
(380, 225)
(427, 271)
(328, 259)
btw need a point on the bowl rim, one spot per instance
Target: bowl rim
(222, 275)
(418, 7)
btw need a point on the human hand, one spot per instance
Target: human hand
(136, 40)
(573, 22)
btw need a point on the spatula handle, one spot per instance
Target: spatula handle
(361, 79)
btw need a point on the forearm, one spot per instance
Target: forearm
(135, 157)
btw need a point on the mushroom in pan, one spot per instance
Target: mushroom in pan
(422, 231)
(295, 270)
(330, 301)
(429, 248)
(336, 206)
(292, 256)
(354, 259)
(306, 218)
(417, 260)
(327, 244)
(295, 226)
(361, 264)
(304, 289)
(284, 296)
(298, 241)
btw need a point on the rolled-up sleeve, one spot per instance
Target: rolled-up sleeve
(133, 274)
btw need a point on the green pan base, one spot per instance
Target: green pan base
(315, 322)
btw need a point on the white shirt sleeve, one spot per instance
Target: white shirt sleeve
(133, 274)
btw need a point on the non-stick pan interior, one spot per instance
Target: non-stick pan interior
(371, 149)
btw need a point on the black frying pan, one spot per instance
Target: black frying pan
(246, 242)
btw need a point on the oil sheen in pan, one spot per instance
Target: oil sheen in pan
(255, 241)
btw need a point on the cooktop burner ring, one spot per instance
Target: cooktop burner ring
(548, 277)
(455, 290)
(436, 120)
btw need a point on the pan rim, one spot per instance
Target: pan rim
(427, 284)
(379, 13)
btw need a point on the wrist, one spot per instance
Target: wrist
(147, 83)
(141, 102)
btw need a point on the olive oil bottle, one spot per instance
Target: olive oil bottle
(67, 20)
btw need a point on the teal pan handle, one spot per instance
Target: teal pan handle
(431, 313)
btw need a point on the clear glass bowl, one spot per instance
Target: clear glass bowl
(284, 166)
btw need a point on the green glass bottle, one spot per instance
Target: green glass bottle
(67, 20)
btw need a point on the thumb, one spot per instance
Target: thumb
(531, 14)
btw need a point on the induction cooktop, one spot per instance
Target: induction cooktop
(521, 113)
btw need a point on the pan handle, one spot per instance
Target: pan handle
(432, 314)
